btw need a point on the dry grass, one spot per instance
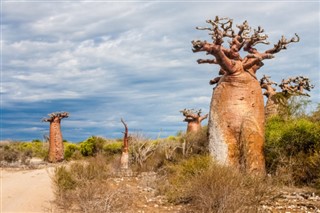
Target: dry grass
(86, 187)
(209, 187)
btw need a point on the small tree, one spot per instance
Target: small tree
(194, 119)
(125, 151)
(56, 150)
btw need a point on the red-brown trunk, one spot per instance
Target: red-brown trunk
(236, 123)
(194, 127)
(56, 149)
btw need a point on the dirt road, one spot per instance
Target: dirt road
(26, 190)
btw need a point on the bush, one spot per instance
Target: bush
(196, 143)
(36, 148)
(209, 187)
(151, 155)
(10, 154)
(178, 174)
(92, 146)
(70, 151)
(141, 149)
(292, 150)
(112, 148)
(17, 151)
(86, 187)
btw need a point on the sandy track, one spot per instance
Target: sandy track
(26, 190)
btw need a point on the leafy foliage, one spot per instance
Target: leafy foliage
(71, 151)
(23, 151)
(113, 147)
(292, 149)
(91, 146)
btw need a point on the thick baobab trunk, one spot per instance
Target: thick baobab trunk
(56, 149)
(236, 123)
(272, 107)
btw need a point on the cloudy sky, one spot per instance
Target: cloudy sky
(105, 60)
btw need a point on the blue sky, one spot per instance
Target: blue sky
(101, 61)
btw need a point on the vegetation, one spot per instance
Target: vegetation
(210, 187)
(23, 151)
(185, 171)
(85, 187)
(293, 150)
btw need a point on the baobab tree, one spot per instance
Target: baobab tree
(56, 150)
(236, 118)
(272, 104)
(277, 102)
(125, 150)
(194, 119)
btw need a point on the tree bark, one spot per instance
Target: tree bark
(236, 123)
(124, 161)
(56, 149)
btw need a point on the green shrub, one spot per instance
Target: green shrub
(13, 153)
(112, 148)
(173, 138)
(292, 148)
(69, 151)
(92, 146)
(63, 179)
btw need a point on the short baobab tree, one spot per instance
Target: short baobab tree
(277, 102)
(236, 117)
(56, 150)
(194, 119)
(296, 86)
(125, 150)
(271, 107)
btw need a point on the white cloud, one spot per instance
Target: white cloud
(134, 59)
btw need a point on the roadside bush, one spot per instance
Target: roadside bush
(16, 152)
(86, 187)
(10, 154)
(36, 148)
(209, 187)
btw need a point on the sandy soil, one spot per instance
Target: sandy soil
(26, 190)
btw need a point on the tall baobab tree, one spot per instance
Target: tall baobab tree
(236, 118)
(194, 119)
(56, 150)
(125, 151)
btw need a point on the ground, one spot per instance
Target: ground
(26, 190)
(30, 191)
